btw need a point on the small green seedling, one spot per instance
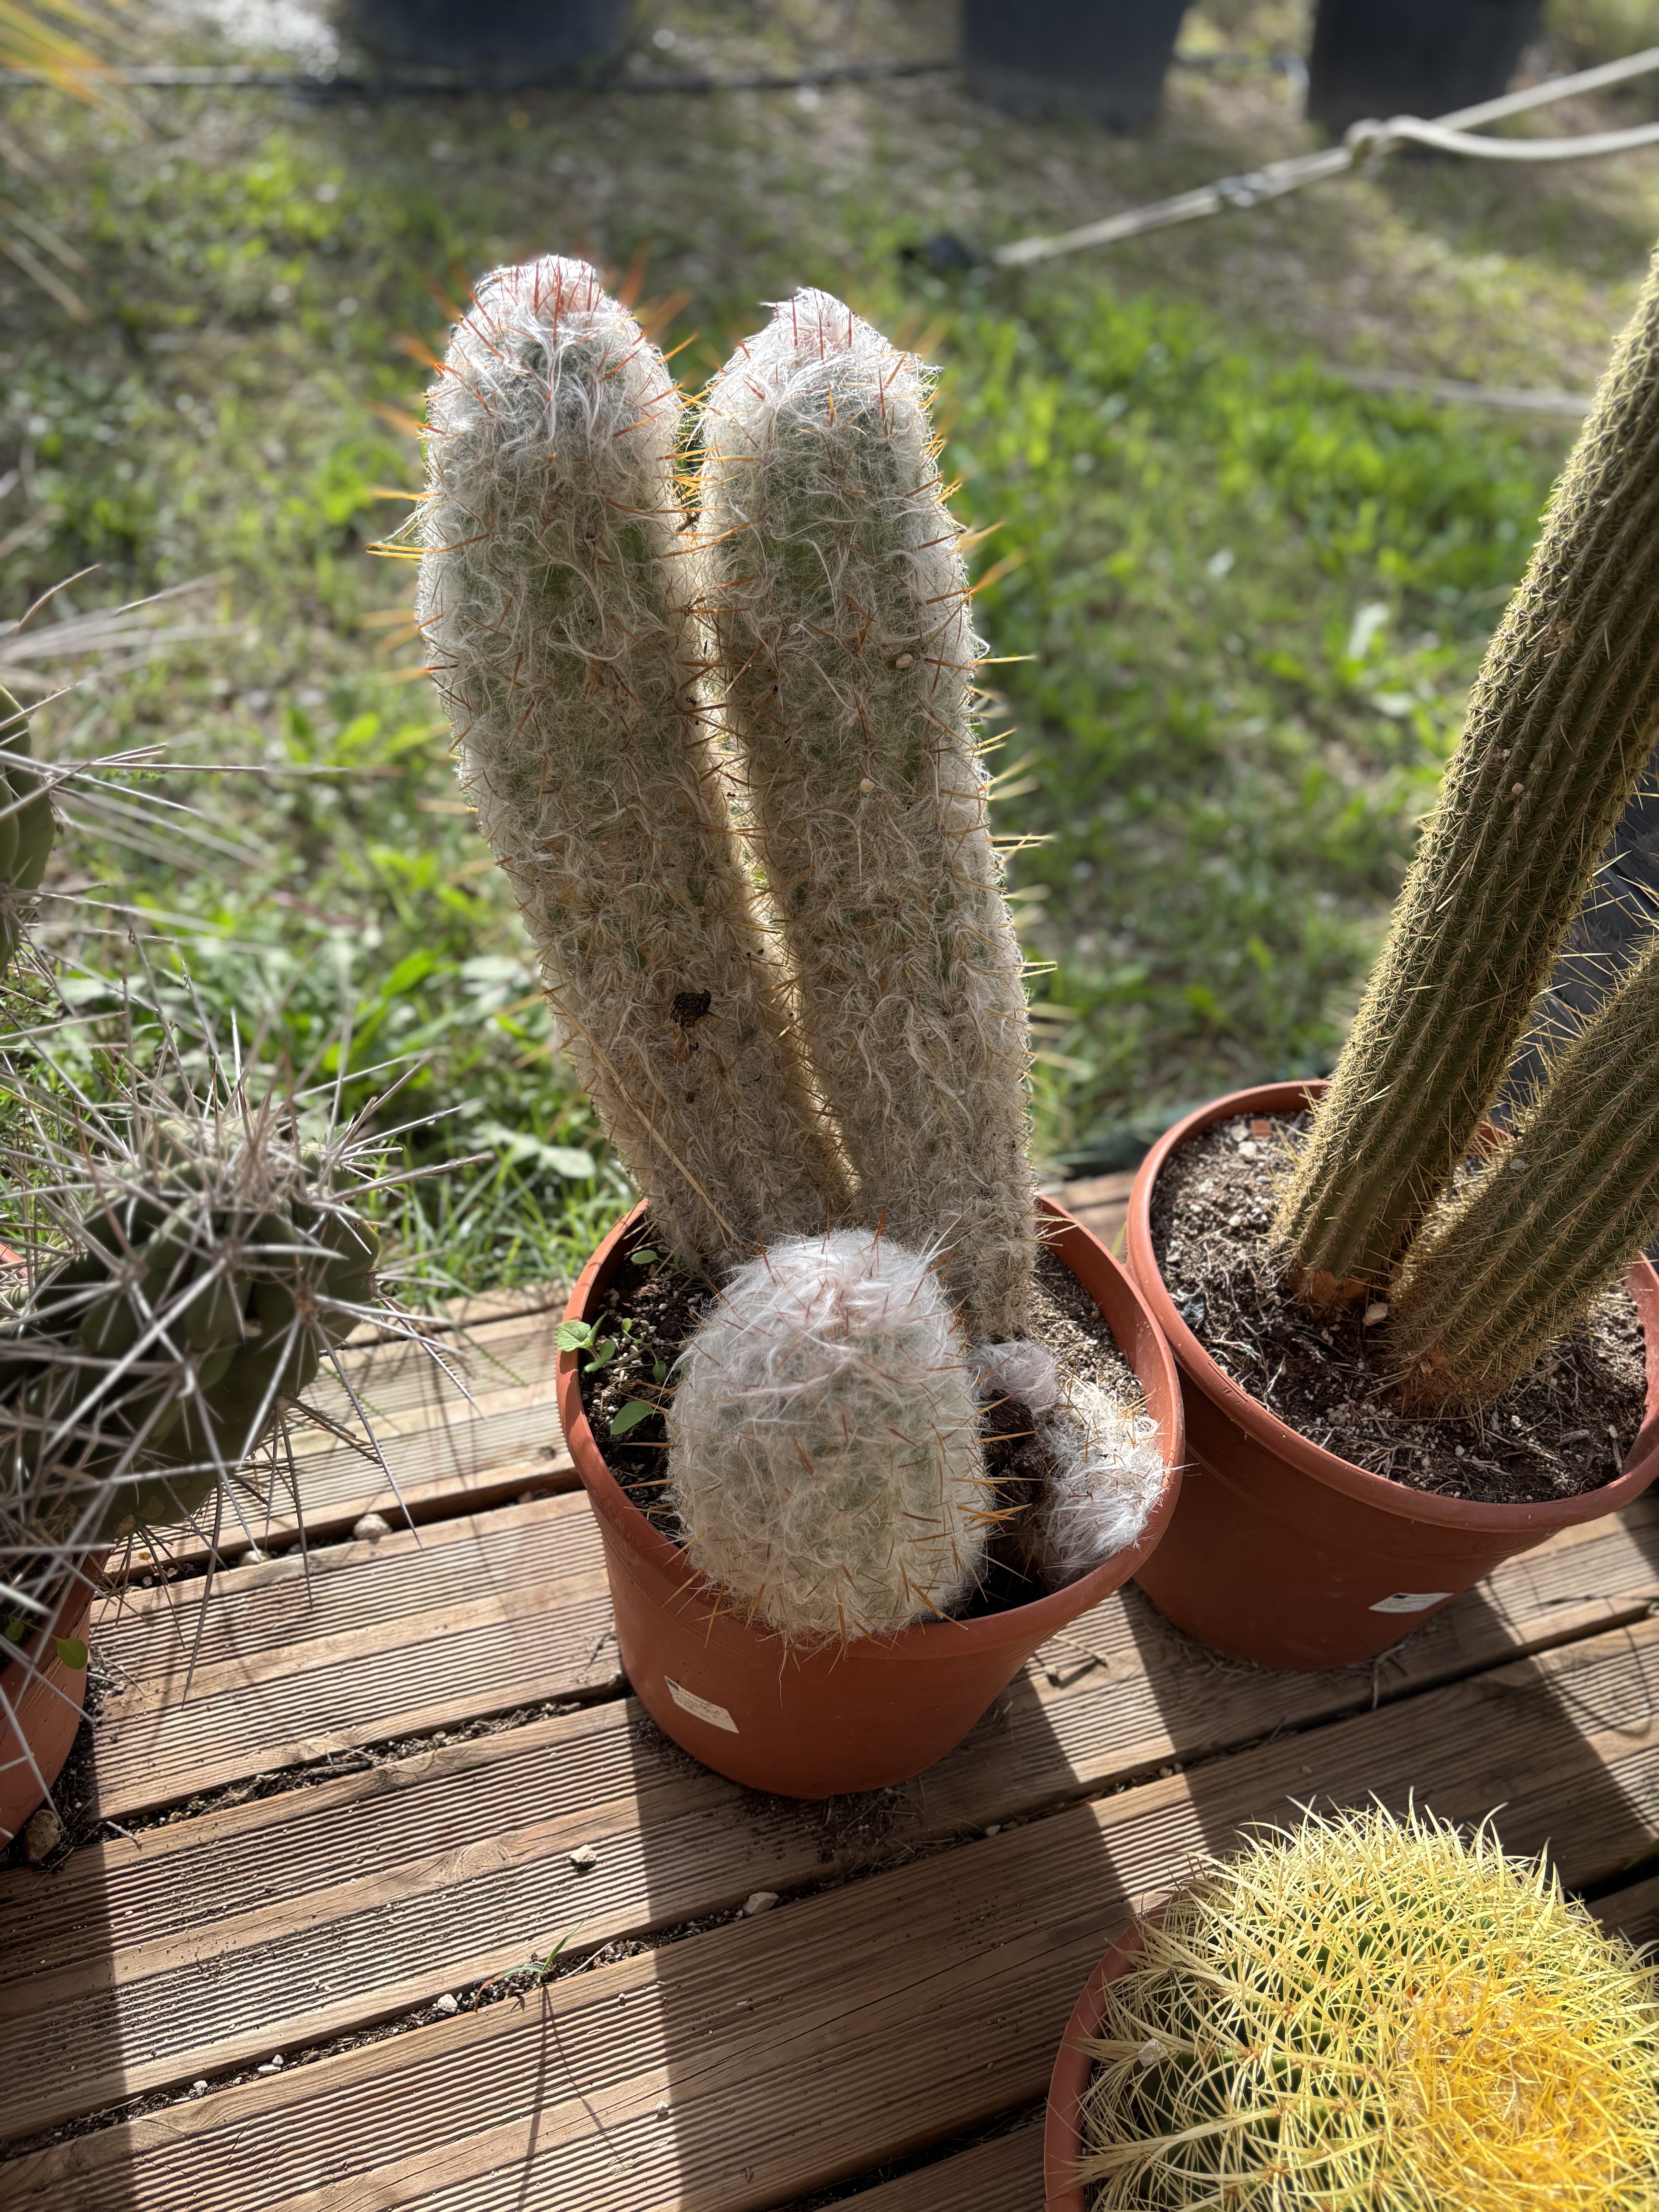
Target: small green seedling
(645, 1257)
(630, 1415)
(589, 1336)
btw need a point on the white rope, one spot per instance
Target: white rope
(1365, 140)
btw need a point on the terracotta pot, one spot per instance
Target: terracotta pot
(1062, 2133)
(1290, 1556)
(36, 1734)
(880, 1709)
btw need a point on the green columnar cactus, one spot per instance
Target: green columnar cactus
(1514, 1258)
(27, 827)
(824, 1443)
(1561, 724)
(558, 593)
(841, 609)
(1373, 2014)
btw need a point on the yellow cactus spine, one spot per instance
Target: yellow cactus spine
(559, 593)
(1373, 2014)
(840, 604)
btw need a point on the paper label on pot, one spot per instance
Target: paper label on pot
(716, 1716)
(1402, 1601)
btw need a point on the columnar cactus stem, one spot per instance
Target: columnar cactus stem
(1509, 1266)
(841, 607)
(1561, 724)
(558, 592)
(824, 1455)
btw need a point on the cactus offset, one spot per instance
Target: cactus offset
(824, 1456)
(558, 591)
(1561, 724)
(841, 608)
(1513, 1261)
(1372, 2013)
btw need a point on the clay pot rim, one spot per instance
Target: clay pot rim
(80, 1585)
(1073, 2070)
(926, 1640)
(1308, 1458)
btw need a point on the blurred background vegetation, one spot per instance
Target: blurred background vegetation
(1236, 599)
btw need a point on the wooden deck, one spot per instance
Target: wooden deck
(279, 1981)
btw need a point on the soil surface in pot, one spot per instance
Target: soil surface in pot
(1563, 1429)
(653, 1308)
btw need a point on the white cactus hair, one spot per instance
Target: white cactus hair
(824, 1457)
(1106, 1470)
(841, 608)
(559, 595)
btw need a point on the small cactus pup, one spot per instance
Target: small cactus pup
(841, 608)
(559, 594)
(824, 1459)
(1520, 1252)
(27, 827)
(1561, 725)
(1105, 1467)
(1369, 2013)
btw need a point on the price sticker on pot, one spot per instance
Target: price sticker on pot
(1402, 1601)
(702, 1708)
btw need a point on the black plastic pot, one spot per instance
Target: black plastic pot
(548, 39)
(1383, 57)
(1106, 59)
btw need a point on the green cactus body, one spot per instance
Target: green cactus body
(1560, 723)
(558, 591)
(1513, 1260)
(152, 1362)
(1372, 2016)
(824, 1457)
(27, 827)
(841, 609)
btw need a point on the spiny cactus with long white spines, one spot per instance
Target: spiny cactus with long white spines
(841, 608)
(27, 831)
(558, 593)
(1371, 2015)
(825, 1458)
(1515, 1258)
(1561, 725)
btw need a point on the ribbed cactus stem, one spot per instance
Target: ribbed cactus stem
(1560, 723)
(841, 606)
(558, 593)
(824, 1456)
(1509, 1266)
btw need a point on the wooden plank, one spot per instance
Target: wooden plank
(1100, 1203)
(444, 1455)
(1003, 2175)
(356, 1643)
(1633, 1912)
(287, 1921)
(878, 2016)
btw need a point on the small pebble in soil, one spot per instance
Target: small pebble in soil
(447, 2004)
(662, 2108)
(42, 1836)
(273, 2065)
(584, 1858)
(253, 1557)
(370, 1528)
(759, 1900)
(198, 2088)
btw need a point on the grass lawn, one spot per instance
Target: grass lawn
(1236, 602)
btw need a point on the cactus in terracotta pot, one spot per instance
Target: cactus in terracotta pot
(825, 1458)
(1372, 2012)
(1560, 725)
(559, 593)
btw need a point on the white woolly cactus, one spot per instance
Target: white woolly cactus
(824, 1456)
(558, 592)
(841, 608)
